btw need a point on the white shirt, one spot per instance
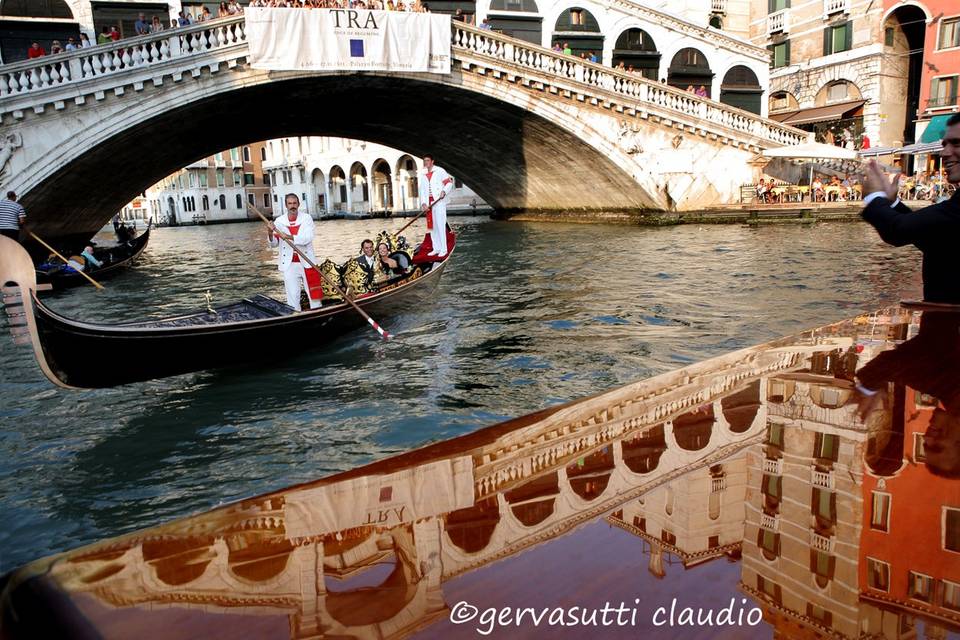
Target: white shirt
(439, 183)
(303, 239)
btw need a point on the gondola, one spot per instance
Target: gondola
(76, 354)
(61, 276)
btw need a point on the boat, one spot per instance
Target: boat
(61, 276)
(75, 354)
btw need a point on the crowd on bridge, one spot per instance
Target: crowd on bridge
(414, 6)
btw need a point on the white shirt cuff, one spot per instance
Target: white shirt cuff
(879, 194)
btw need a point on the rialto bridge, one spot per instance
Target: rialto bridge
(83, 132)
(365, 553)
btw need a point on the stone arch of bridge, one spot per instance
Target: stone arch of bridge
(512, 155)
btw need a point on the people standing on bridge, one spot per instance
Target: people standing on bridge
(104, 36)
(566, 49)
(35, 51)
(114, 33)
(85, 41)
(12, 216)
(933, 230)
(234, 8)
(141, 27)
(435, 185)
(297, 227)
(71, 44)
(184, 19)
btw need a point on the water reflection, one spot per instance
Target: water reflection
(821, 468)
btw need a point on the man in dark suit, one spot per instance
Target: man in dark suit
(935, 230)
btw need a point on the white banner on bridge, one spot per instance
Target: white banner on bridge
(284, 39)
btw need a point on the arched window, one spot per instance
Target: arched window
(36, 9)
(223, 201)
(635, 48)
(205, 203)
(741, 89)
(239, 201)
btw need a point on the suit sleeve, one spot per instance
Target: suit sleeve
(899, 226)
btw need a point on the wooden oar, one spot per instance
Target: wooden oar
(65, 261)
(373, 323)
(420, 215)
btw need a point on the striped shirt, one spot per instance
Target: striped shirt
(10, 213)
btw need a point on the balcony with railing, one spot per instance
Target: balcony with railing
(822, 479)
(774, 467)
(821, 543)
(771, 523)
(718, 6)
(942, 102)
(831, 7)
(778, 22)
(718, 484)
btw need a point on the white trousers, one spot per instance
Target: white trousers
(293, 278)
(438, 234)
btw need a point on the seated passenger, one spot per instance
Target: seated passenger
(366, 259)
(387, 264)
(88, 255)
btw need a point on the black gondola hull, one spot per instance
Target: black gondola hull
(95, 356)
(126, 255)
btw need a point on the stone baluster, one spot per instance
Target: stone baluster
(97, 64)
(214, 38)
(169, 48)
(35, 81)
(47, 77)
(241, 32)
(6, 87)
(116, 60)
(126, 60)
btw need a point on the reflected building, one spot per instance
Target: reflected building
(757, 455)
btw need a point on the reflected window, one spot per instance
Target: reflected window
(950, 598)
(951, 530)
(668, 537)
(822, 565)
(920, 587)
(824, 506)
(769, 542)
(713, 542)
(878, 575)
(819, 614)
(880, 511)
(827, 447)
(919, 453)
(640, 523)
(775, 435)
(772, 486)
(769, 588)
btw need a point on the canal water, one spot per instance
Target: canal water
(527, 315)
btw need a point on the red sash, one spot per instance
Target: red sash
(314, 279)
(293, 231)
(430, 211)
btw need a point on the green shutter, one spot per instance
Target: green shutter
(786, 53)
(848, 36)
(771, 6)
(827, 36)
(773, 54)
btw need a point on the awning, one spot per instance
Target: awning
(879, 151)
(922, 148)
(935, 130)
(781, 117)
(823, 114)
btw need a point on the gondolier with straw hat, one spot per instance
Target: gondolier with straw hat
(298, 228)
(435, 185)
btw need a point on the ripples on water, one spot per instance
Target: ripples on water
(527, 315)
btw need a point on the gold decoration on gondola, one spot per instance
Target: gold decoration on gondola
(332, 271)
(356, 277)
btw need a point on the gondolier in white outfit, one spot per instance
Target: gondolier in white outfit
(435, 185)
(298, 228)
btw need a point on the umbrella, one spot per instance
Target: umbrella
(812, 151)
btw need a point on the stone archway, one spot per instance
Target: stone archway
(741, 89)
(359, 187)
(382, 186)
(339, 193)
(321, 195)
(408, 184)
(579, 29)
(635, 48)
(517, 18)
(690, 68)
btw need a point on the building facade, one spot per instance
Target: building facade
(831, 72)
(214, 189)
(332, 175)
